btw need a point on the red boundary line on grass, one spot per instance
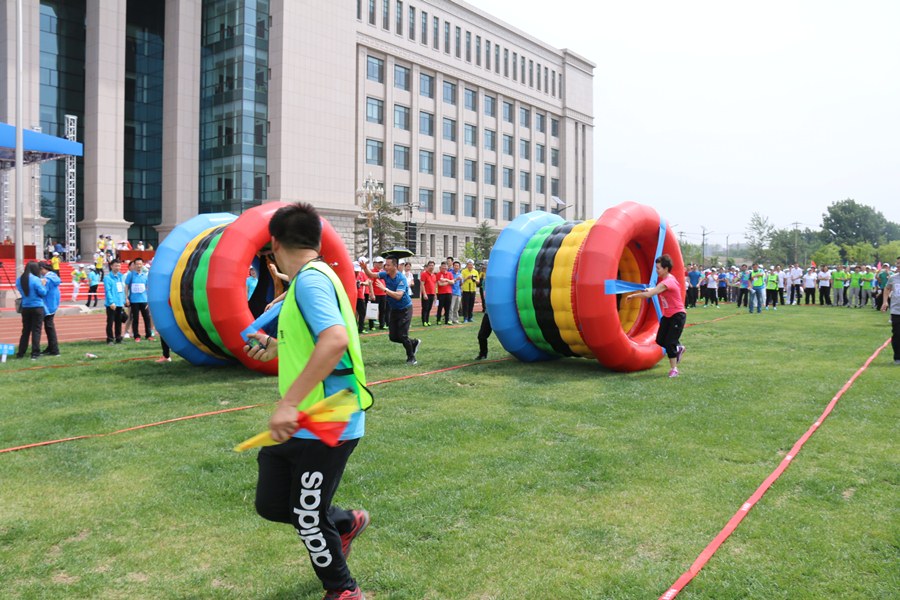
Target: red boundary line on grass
(732, 524)
(223, 411)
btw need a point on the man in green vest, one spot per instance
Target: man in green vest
(867, 283)
(838, 275)
(854, 288)
(772, 288)
(318, 354)
(757, 281)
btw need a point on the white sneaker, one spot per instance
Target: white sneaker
(126, 335)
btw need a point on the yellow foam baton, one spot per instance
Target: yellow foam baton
(326, 419)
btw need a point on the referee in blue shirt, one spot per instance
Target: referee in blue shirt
(396, 288)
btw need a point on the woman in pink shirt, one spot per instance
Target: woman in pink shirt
(671, 302)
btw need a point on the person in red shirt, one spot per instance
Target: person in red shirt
(444, 291)
(671, 303)
(378, 295)
(362, 289)
(428, 282)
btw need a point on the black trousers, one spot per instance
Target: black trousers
(92, 294)
(795, 293)
(743, 297)
(481, 293)
(443, 305)
(427, 303)
(296, 483)
(825, 295)
(895, 335)
(483, 334)
(50, 330)
(382, 310)
(166, 351)
(398, 329)
(771, 296)
(468, 304)
(361, 314)
(32, 318)
(810, 295)
(114, 323)
(781, 296)
(138, 310)
(669, 333)
(692, 297)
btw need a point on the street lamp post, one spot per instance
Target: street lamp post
(368, 194)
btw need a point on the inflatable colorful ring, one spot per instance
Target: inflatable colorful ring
(197, 285)
(554, 288)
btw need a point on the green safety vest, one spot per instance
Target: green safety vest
(772, 281)
(757, 278)
(295, 347)
(854, 279)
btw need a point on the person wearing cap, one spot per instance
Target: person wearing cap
(428, 291)
(54, 263)
(77, 277)
(32, 290)
(51, 305)
(396, 289)
(824, 280)
(772, 288)
(809, 286)
(456, 292)
(712, 279)
(891, 302)
(469, 277)
(795, 276)
(93, 283)
(377, 292)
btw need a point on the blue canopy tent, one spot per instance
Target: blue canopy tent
(38, 147)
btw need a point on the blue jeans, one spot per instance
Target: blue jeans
(758, 294)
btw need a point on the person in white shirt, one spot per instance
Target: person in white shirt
(809, 285)
(796, 276)
(781, 277)
(824, 279)
(712, 283)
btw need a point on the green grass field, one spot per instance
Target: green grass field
(494, 481)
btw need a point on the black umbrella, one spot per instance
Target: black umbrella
(398, 253)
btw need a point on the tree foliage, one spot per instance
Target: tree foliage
(847, 222)
(387, 232)
(829, 254)
(862, 253)
(485, 237)
(759, 235)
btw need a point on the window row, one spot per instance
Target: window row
(450, 94)
(407, 23)
(450, 205)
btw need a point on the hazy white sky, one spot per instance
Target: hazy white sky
(710, 110)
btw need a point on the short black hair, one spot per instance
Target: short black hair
(665, 261)
(297, 226)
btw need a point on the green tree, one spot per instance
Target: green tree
(848, 222)
(485, 237)
(829, 254)
(387, 232)
(888, 252)
(862, 253)
(759, 235)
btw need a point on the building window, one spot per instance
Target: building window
(546, 80)
(525, 149)
(449, 166)
(530, 73)
(424, 27)
(412, 23)
(540, 122)
(540, 153)
(426, 85)
(490, 106)
(469, 205)
(505, 62)
(508, 178)
(554, 187)
(371, 12)
(468, 46)
(497, 59)
(426, 202)
(539, 184)
(523, 70)
(470, 170)
(478, 50)
(515, 64)
(507, 210)
(490, 208)
(386, 15)
(553, 83)
(449, 129)
(470, 135)
(450, 93)
(426, 162)
(525, 181)
(470, 98)
(490, 174)
(436, 33)
(375, 111)
(458, 42)
(401, 195)
(401, 157)
(490, 140)
(375, 69)
(507, 145)
(399, 16)
(487, 54)
(539, 76)
(374, 152)
(401, 117)
(554, 127)
(449, 207)
(426, 123)
(401, 77)
(446, 37)
(524, 208)
(554, 157)
(524, 117)
(507, 111)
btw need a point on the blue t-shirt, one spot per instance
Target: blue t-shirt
(36, 292)
(745, 279)
(694, 277)
(137, 286)
(317, 301)
(397, 284)
(251, 285)
(723, 280)
(51, 300)
(457, 282)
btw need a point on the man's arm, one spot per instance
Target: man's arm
(888, 290)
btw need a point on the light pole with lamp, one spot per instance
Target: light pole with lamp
(370, 192)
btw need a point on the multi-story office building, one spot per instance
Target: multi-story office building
(190, 106)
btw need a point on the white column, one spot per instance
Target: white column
(181, 114)
(104, 121)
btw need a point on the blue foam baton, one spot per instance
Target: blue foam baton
(262, 320)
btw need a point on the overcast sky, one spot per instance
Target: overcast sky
(711, 110)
